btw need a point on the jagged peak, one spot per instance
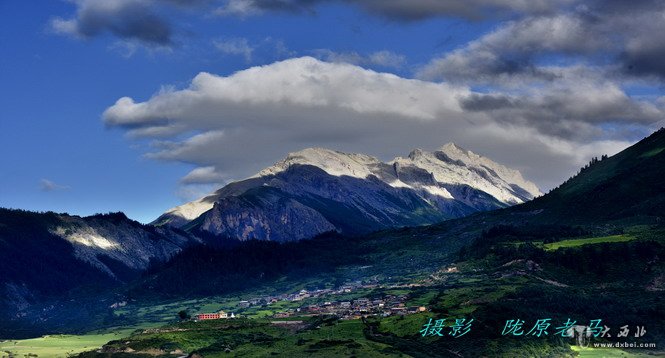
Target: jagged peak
(455, 151)
(314, 153)
(332, 161)
(462, 166)
(311, 150)
(451, 146)
(416, 153)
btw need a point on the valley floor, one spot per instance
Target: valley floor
(379, 311)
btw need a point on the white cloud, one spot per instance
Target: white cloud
(304, 83)
(387, 59)
(250, 119)
(382, 58)
(509, 53)
(48, 185)
(65, 27)
(235, 46)
(203, 175)
(191, 192)
(241, 8)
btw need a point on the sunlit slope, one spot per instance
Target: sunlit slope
(628, 185)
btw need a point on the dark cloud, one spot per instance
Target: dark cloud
(284, 5)
(490, 102)
(512, 51)
(474, 9)
(411, 10)
(568, 110)
(644, 61)
(138, 20)
(621, 38)
(644, 49)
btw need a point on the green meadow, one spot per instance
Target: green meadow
(59, 345)
(594, 240)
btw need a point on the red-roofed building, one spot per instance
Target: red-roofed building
(206, 316)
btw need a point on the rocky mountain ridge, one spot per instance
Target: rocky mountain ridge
(317, 190)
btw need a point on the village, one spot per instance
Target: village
(322, 302)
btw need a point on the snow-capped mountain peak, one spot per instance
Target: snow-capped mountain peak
(453, 164)
(508, 175)
(288, 200)
(331, 161)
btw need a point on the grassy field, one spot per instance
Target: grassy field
(594, 240)
(137, 316)
(59, 345)
(404, 326)
(258, 338)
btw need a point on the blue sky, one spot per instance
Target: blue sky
(63, 151)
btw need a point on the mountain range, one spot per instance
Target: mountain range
(48, 257)
(318, 190)
(60, 272)
(607, 197)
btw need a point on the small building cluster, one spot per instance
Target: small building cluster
(313, 303)
(386, 306)
(218, 315)
(304, 294)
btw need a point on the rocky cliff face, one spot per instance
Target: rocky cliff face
(101, 238)
(276, 216)
(318, 190)
(47, 256)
